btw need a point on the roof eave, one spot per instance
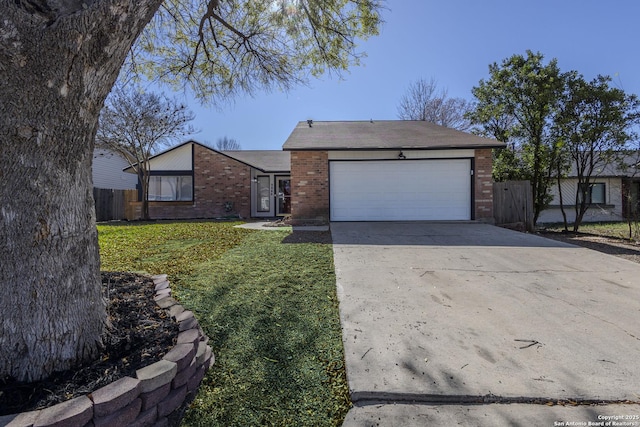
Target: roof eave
(402, 147)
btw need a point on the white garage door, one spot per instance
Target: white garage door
(400, 190)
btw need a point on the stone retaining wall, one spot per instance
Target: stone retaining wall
(151, 399)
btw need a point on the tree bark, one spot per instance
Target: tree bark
(58, 62)
(144, 178)
(559, 182)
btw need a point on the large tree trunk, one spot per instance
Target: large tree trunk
(58, 61)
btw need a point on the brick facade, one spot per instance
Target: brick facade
(220, 180)
(483, 179)
(309, 186)
(217, 179)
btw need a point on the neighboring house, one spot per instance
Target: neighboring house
(333, 171)
(108, 171)
(614, 195)
(192, 180)
(389, 170)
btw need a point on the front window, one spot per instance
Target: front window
(595, 194)
(170, 188)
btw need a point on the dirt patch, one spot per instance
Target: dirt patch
(140, 333)
(323, 237)
(609, 245)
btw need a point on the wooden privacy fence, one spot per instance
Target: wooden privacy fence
(113, 204)
(513, 204)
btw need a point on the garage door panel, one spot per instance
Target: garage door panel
(401, 190)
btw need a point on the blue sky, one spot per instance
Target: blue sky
(452, 41)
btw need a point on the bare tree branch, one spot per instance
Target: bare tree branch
(227, 144)
(137, 124)
(423, 101)
(231, 46)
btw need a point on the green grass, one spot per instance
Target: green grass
(269, 308)
(173, 248)
(609, 229)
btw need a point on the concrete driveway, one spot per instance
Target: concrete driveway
(466, 313)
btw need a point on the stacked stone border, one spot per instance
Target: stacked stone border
(157, 396)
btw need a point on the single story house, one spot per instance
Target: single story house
(192, 180)
(614, 194)
(386, 170)
(389, 170)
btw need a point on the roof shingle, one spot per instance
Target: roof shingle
(382, 134)
(266, 160)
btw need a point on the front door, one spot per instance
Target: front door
(283, 202)
(264, 192)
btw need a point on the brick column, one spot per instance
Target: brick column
(309, 186)
(483, 200)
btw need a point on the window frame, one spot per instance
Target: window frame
(590, 193)
(171, 174)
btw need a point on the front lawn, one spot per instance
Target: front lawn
(617, 230)
(611, 229)
(269, 308)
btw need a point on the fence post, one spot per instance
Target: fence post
(132, 208)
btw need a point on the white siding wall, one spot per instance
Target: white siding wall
(612, 211)
(107, 171)
(178, 159)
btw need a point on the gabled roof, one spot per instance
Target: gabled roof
(267, 161)
(264, 160)
(382, 135)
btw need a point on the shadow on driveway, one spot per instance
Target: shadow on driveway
(434, 234)
(463, 311)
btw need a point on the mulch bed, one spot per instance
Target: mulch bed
(140, 333)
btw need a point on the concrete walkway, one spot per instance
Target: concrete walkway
(466, 313)
(269, 226)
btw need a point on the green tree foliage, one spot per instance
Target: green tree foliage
(594, 124)
(516, 104)
(221, 48)
(553, 122)
(508, 165)
(58, 62)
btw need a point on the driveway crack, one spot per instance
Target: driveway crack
(595, 316)
(368, 398)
